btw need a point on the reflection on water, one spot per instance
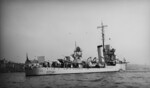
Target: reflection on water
(128, 79)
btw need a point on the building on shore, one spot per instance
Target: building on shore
(9, 66)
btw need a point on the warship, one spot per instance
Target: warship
(105, 62)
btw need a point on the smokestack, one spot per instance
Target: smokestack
(99, 53)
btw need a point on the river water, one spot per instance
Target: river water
(127, 79)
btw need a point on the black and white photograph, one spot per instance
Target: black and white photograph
(75, 44)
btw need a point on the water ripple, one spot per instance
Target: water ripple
(94, 80)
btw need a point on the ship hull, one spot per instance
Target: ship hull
(50, 70)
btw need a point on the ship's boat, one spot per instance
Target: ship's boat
(106, 62)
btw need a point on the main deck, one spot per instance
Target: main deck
(51, 70)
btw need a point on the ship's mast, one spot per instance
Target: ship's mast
(103, 35)
(27, 57)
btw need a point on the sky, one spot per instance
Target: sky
(51, 28)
